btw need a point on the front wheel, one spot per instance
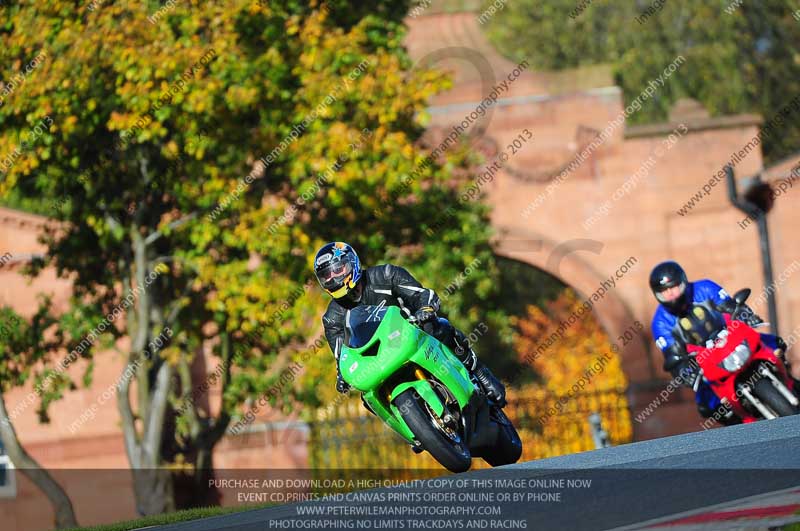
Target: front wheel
(773, 399)
(442, 443)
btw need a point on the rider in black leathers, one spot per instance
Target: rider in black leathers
(338, 270)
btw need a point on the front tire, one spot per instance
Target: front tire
(508, 447)
(449, 450)
(773, 399)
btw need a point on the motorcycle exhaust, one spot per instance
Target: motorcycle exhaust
(788, 395)
(765, 412)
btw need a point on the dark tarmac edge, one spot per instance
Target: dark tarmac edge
(632, 483)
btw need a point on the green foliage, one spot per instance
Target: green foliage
(744, 61)
(25, 349)
(560, 40)
(167, 151)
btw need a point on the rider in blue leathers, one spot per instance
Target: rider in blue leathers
(676, 295)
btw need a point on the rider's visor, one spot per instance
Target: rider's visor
(671, 293)
(333, 275)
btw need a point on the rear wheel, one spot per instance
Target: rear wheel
(443, 443)
(773, 399)
(508, 447)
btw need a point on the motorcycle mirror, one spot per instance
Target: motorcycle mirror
(741, 296)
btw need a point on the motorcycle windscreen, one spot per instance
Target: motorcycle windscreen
(701, 324)
(361, 323)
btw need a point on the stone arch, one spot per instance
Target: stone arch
(569, 265)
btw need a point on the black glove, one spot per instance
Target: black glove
(686, 372)
(744, 313)
(726, 306)
(425, 314)
(341, 386)
(747, 315)
(679, 364)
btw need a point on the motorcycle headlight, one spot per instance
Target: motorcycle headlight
(736, 359)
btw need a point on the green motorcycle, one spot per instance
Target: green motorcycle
(419, 388)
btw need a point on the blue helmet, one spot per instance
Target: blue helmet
(337, 268)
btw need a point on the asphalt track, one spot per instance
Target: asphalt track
(629, 485)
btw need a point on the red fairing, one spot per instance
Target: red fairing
(721, 380)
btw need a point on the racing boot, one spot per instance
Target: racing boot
(780, 352)
(781, 344)
(491, 385)
(722, 414)
(727, 417)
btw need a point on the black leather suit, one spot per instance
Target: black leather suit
(393, 286)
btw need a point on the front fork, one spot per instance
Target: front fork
(764, 410)
(788, 395)
(764, 370)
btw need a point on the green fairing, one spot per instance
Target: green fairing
(402, 343)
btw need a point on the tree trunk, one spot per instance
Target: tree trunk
(152, 483)
(153, 491)
(205, 433)
(27, 465)
(204, 494)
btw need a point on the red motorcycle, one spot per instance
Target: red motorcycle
(742, 371)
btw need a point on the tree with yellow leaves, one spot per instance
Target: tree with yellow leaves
(196, 157)
(578, 372)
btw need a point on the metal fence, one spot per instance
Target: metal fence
(349, 437)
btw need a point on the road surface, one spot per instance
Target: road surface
(704, 480)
